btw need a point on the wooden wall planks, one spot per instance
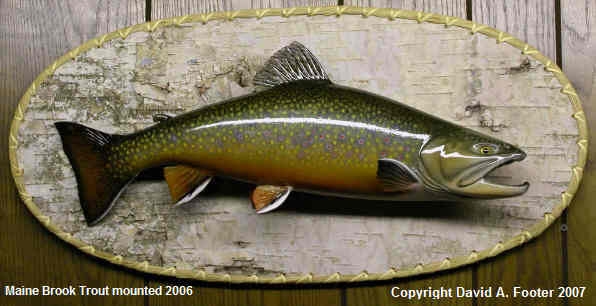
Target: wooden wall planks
(534, 22)
(33, 35)
(228, 295)
(381, 294)
(445, 7)
(537, 264)
(247, 295)
(578, 19)
(165, 8)
(209, 296)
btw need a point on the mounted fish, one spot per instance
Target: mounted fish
(301, 133)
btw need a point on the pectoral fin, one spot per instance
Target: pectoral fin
(186, 182)
(266, 198)
(395, 176)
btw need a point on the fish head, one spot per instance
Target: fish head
(459, 161)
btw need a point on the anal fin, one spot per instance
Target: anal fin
(266, 198)
(186, 182)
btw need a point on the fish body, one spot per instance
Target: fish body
(307, 134)
(303, 133)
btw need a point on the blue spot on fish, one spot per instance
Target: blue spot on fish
(307, 143)
(238, 135)
(145, 62)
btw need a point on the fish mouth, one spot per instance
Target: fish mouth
(474, 181)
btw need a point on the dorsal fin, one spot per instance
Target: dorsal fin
(291, 63)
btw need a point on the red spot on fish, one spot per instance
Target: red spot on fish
(342, 136)
(386, 140)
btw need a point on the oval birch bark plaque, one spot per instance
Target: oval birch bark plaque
(464, 72)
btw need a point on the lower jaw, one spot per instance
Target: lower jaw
(488, 189)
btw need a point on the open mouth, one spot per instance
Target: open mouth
(475, 180)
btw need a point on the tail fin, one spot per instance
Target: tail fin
(86, 150)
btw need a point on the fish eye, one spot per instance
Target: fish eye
(485, 148)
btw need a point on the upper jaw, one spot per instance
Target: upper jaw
(474, 181)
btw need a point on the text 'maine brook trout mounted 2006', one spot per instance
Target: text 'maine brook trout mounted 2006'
(302, 133)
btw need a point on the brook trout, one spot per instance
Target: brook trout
(303, 133)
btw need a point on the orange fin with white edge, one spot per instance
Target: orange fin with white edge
(186, 182)
(266, 198)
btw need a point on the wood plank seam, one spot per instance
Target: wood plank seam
(564, 243)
